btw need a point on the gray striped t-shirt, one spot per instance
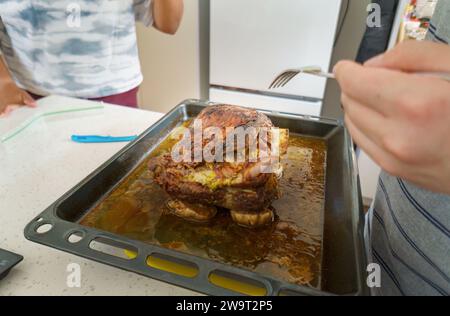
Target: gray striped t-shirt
(409, 227)
(82, 48)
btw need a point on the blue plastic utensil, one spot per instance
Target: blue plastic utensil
(95, 139)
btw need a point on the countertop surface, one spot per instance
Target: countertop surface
(40, 164)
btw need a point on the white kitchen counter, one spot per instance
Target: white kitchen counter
(36, 168)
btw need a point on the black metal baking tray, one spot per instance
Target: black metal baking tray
(344, 261)
(8, 260)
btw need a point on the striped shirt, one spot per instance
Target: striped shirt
(408, 231)
(83, 48)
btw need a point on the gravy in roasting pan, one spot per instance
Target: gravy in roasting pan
(290, 249)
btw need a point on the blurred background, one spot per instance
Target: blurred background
(244, 34)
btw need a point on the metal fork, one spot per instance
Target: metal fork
(286, 76)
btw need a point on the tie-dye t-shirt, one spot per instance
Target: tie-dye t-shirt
(78, 48)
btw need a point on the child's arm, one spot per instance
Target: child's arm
(167, 15)
(11, 96)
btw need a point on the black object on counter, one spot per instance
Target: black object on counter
(8, 260)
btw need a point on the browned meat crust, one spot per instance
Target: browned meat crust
(250, 190)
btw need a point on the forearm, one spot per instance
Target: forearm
(5, 76)
(167, 15)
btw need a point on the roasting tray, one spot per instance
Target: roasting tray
(343, 264)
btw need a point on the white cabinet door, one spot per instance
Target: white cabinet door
(252, 41)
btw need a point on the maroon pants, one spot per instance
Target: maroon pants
(128, 98)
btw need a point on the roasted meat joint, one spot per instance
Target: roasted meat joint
(227, 159)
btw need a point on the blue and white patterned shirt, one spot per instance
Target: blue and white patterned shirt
(77, 48)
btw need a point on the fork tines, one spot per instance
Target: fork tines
(284, 78)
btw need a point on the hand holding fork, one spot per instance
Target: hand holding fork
(286, 76)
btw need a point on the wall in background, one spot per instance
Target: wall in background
(175, 67)
(347, 46)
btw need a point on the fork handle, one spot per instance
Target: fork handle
(328, 75)
(438, 75)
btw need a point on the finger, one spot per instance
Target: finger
(28, 99)
(363, 84)
(380, 89)
(371, 123)
(385, 160)
(9, 109)
(413, 56)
